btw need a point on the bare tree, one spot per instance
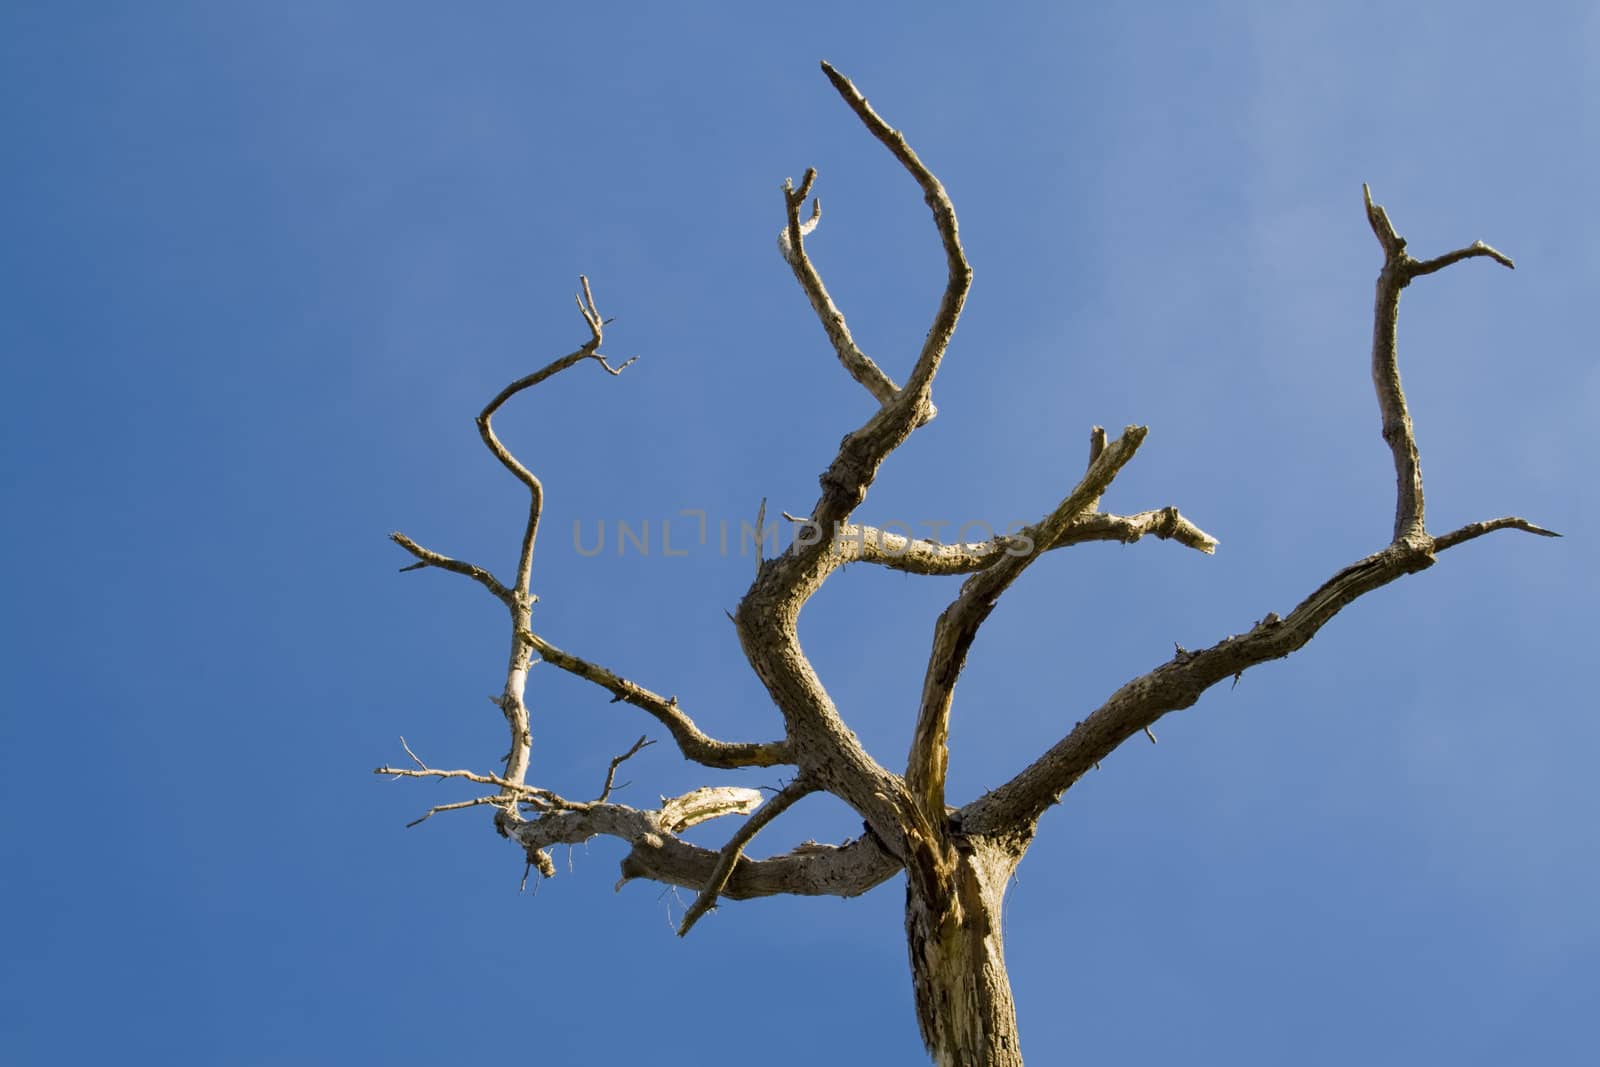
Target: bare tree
(956, 861)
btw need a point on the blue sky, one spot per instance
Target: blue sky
(263, 264)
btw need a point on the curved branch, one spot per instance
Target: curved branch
(590, 350)
(1478, 529)
(845, 483)
(944, 217)
(692, 742)
(767, 615)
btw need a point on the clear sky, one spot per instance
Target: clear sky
(263, 263)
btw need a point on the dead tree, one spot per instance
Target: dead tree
(956, 861)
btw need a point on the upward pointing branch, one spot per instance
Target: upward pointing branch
(590, 350)
(957, 628)
(944, 217)
(1398, 271)
(1178, 683)
(791, 242)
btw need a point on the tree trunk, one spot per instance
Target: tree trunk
(958, 967)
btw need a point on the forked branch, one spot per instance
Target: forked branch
(944, 216)
(518, 599)
(1398, 271)
(1179, 682)
(590, 350)
(791, 243)
(958, 626)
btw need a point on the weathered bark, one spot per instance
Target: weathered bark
(958, 966)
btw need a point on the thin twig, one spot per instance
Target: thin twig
(1478, 529)
(413, 755)
(617, 761)
(430, 558)
(498, 798)
(513, 790)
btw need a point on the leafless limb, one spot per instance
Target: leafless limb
(944, 215)
(497, 798)
(589, 350)
(513, 790)
(1478, 529)
(1179, 682)
(518, 599)
(791, 243)
(958, 626)
(694, 744)
(1398, 271)
(768, 612)
(845, 870)
(429, 558)
(617, 761)
(577, 823)
(957, 862)
(414, 757)
(855, 543)
(734, 850)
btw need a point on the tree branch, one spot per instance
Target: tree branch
(590, 350)
(511, 791)
(1478, 529)
(958, 626)
(791, 243)
(944, 217)
(617, 761)
(1398, 271)
(1180, 681)
(856, 543)
(518, 599)
(429, 558)
(1016, 806)
(692, 742)
(768, 614)
(846, 870)
(579, 823)
(731, 853)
